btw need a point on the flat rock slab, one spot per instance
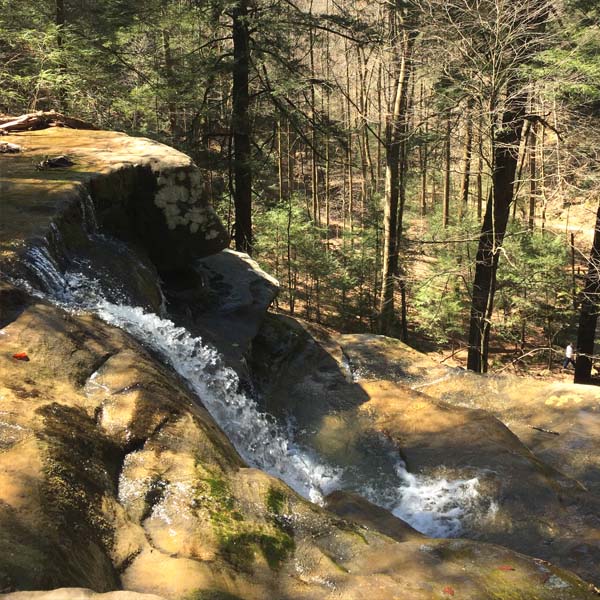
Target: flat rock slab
(144, 191)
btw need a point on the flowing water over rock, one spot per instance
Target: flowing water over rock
(436, 507)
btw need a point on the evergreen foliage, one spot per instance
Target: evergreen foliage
(321, 84)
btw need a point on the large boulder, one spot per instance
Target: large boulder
(113, 475)
(224, 299)
(331, 389)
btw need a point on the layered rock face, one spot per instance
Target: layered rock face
(114, 476)
(144, 192)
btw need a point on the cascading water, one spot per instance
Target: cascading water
(437, 507)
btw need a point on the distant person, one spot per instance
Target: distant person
(568, 356)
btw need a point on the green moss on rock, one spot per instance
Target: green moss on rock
(275, 500)
(240, 549)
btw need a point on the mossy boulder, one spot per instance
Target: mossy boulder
(112, 475)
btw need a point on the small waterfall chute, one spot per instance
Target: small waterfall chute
(435, 506)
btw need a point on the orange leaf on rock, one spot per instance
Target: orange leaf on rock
(448, 590)
(506, 568)
(21, 356)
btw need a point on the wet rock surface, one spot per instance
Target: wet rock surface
(224, 300)
(342, 392)
(113, 475)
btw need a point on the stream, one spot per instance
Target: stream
(437, 507)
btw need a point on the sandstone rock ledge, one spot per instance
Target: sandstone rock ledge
(115, 478)
(144, 192)
(345, 391)
(112, 476)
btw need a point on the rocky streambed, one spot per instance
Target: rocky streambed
(168, 438)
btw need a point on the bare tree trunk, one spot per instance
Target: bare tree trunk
(290, 159)
(400, 273)
(349, 151)
(542, 171)
(327, 146)
(523, 149)
(588, 317)
(532, 174)
(313, 157)
(395, 126)
(480, 172)
(60, 23)
(280, 163)
(241, 128)
(447, 153)
(505, 151)
(379, 129)
(327, 182)
(169, 73)
(466, 174)
(423, 153)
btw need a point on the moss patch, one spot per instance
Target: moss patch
(239, 549)
(275, 500)
(239, 539)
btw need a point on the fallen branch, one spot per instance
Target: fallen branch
(522, 356)
(42, 120)
(544, 430)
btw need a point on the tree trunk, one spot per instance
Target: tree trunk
(480, 171)
(447, 151)
(588, 317)
(505, 153)
(314, 185)
(423, 153)
(466, 175)
(393, 145)
(241, 129)
(169, 72)
(532, 174)
(59, 21)
(282, 193)
(349, 151)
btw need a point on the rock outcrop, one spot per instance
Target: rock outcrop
(224, 299)
(143, 192)
(344, 391)
(112, 474)
(114, 477)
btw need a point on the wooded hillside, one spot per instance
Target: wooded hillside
(426, 169)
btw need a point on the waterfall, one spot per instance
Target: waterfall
(436, 507)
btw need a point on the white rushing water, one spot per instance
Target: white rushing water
(437, 507)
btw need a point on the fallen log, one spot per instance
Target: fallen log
(42, 120)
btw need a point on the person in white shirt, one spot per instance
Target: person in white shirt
(568, 356)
